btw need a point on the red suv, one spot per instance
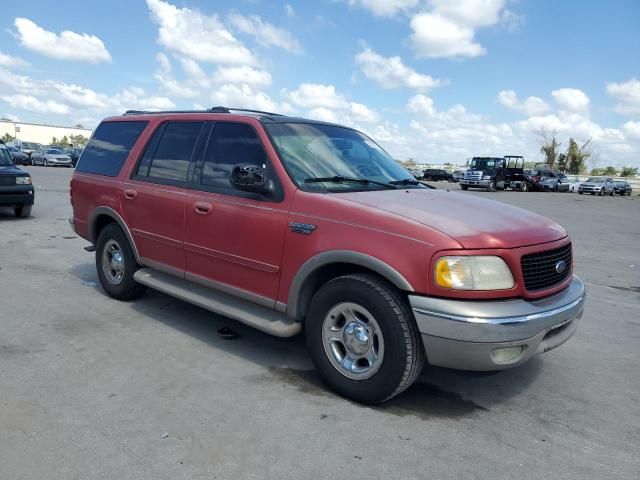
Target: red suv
(288, 224)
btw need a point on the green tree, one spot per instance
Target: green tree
(63, 142)
(629, 171)
(549, 146)
(577, 155)
(562, 162)
(7, 138)
(610, 171)
(78, 140)
(597, 172)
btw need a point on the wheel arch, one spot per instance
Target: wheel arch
(325, 266)
(103, 216)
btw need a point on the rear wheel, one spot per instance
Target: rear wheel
(23, 211)
(363, 339)
(524, 187)
(116, 264)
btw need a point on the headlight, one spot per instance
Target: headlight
(473, 273)
(23, 180)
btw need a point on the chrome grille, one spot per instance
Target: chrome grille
(470, 175)
(539, 269)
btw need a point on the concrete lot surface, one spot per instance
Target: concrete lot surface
(93, 388)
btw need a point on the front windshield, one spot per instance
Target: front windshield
(482, 163)
(5, 158)
(54, 151)
(595, 180)
(311, 151)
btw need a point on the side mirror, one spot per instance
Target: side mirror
(248, 178)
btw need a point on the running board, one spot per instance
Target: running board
(251, 314)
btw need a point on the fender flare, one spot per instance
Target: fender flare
(110, 212)
(340, 256)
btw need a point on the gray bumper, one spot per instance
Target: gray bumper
(475, 183)
(469, 334)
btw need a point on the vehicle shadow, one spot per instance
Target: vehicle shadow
(439, 392)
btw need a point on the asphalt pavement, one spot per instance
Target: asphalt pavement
(93, 388)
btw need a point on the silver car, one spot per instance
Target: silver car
(51, 157)
(601, 186)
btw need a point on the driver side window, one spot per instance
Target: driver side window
(230, 144)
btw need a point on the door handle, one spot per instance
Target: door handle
(130, 194)
(202, 208)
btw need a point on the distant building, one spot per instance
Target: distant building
(39, 133)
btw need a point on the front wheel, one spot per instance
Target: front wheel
(613, 192)
(491, 187)
(23, 211)
(363, 339)
(45, 163)
(116, 264)
(464, 187)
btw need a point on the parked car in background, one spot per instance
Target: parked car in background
(601, 186)
(622, 188)
(574, 183)
(252, 216)
(18, 156)
(535, 176)
(437, 174)
(458, 175)
(16, 189)
(30, 147)
(555, 182)
(74, 153)
(52, 157)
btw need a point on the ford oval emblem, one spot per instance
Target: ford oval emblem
(561, 266)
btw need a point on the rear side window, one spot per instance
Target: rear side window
(168, 156)
(109, 147)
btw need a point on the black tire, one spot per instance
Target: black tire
(492, 186)
(403, 356)
(524, 187)
(613, 192)
(580, 193)
(464, 187)
(127, 288)
(45, 163)
(23, 211)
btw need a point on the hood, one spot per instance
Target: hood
(58, 156)
(473, 221)
(11, 170)
(592, 184)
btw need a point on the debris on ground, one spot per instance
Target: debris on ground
(227, 333)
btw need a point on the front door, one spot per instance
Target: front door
(153, 199)
(234, 239)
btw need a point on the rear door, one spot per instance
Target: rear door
(234, 239)
(153, 199)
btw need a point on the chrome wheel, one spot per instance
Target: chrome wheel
(353, 341)
(113, 262)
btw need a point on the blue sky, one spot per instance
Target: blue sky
(433, 80)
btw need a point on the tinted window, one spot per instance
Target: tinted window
(231, 144)
(109, 147)
(169, 153)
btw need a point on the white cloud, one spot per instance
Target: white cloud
(68, 45)
(632, 129)
(164, 76)
(571, 99)
(384, 8)
(32, 104)
(195, 35)
(243, 96)
(244, 74)
(361, 113)
(391, 72)
(313, 95)
(530, 106)
(10, 61)
(289, 11)
(12, 117)
(447, 28)
(628, 96)
(264, 32)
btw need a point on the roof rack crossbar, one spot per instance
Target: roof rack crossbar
(209, 110)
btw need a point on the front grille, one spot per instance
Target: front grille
(473, 175)
(539, 269)
(7, 180)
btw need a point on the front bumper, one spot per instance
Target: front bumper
(475, 183)
(469, 335)
(16, 195)
(59, 161)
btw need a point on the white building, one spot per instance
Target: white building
(39, 133)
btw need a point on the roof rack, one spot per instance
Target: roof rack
(218, 109)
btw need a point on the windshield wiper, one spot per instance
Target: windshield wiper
(405, 181)
(341, 179)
